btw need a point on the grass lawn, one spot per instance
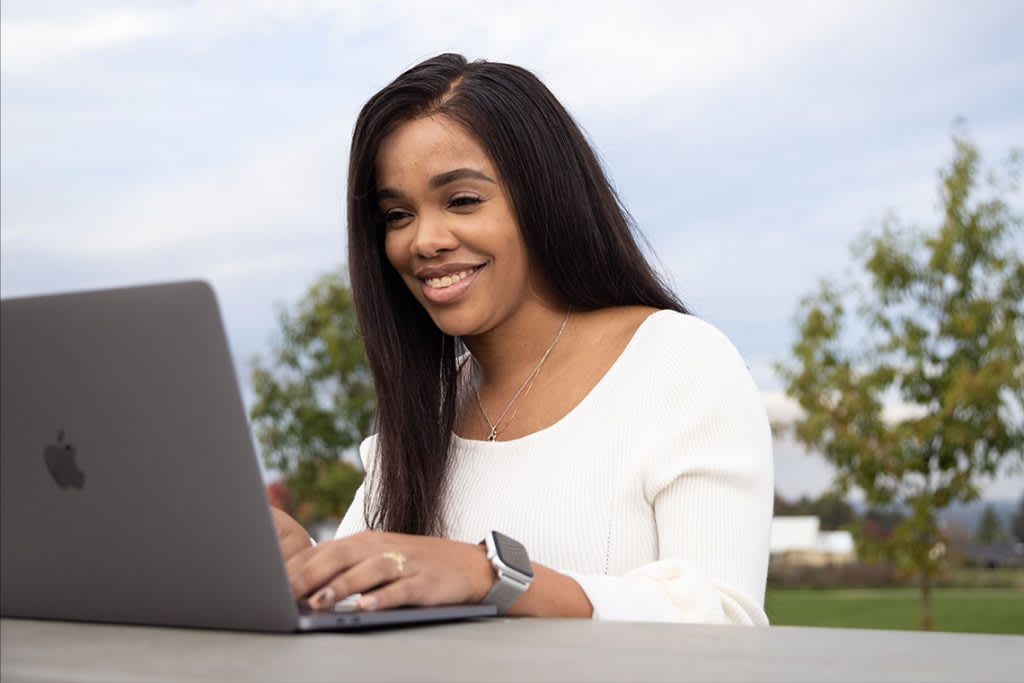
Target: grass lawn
(965, 610)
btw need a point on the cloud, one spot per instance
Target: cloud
(274, 208)
(781, 409)
(784, 411)
(290, 187)
(37, 40)
(30, 44)
(638, 52)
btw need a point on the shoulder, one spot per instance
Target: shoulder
(685, 342)
(693, 385)
(663, 345)
(678, 359)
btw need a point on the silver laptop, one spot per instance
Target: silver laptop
(131, 490)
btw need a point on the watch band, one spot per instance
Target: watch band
(505, 592)
(512, 581)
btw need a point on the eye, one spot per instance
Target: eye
(464, 200)
(395, 216)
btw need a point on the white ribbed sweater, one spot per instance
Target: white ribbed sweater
(655, 493)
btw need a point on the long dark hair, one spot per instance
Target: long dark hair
(575, 228)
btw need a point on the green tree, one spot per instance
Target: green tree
(830, 508)
(833, 511)
(990, 528)
(1018, 521)
(939, 328)
(314, 401)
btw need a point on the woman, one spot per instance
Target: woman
(618, 439)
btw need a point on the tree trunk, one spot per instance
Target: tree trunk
(927, 623)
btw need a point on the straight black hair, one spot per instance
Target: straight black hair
(575, 229)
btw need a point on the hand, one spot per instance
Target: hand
(291, 535)
(391, 570)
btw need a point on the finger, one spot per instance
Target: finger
(293, 545)
(345, 552)
(396, 594)
(291, 536)
(299, 559)
(285, 525)
(314, 568)
(368, 574)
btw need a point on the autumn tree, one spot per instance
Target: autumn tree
(933, 322)
(315, 402)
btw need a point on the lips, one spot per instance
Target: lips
(448, 284)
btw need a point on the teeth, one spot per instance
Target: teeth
(449, 280)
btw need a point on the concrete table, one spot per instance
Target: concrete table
(503, 650)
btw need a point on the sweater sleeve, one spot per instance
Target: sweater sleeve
(710, 483)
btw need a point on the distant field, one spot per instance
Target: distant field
(964, 610)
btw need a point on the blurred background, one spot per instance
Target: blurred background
(753, 142)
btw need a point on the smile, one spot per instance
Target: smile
(449, 280)
(451, 287)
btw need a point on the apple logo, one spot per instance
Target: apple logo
(60, 461)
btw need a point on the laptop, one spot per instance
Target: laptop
(131, 489)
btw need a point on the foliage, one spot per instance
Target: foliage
(990, 529)
(314, 401)
(942, 324)
(830, 508)
(875, 530)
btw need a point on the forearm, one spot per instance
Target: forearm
(551, 594)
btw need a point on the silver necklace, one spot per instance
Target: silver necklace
(493, 435)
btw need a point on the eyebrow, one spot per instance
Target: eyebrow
(439, 180)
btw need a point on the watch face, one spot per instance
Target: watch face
(513, 554)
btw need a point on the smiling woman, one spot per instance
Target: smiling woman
(535, 380)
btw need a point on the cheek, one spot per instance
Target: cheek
(515, 249)
(394, 250)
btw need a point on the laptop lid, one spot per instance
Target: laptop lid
(130, 486)
(131, 490)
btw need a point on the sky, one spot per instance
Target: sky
(753, 142)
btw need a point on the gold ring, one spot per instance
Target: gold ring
(397, 558)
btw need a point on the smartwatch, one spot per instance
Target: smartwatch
(512, 564)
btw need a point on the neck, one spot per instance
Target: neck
(508, 353)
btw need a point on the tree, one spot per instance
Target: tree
(878, 524)
(990, 528)
(833, 511)
(940, 330)
(1018, 521)
(830, 508)
(315, 401)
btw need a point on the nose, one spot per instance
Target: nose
(432, 236)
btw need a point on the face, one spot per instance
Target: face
(451, 231)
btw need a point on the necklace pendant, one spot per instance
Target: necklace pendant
(493, 436)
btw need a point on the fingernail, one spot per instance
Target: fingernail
(368, 603)
(323, 597)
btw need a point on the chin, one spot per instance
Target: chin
(455, 323)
